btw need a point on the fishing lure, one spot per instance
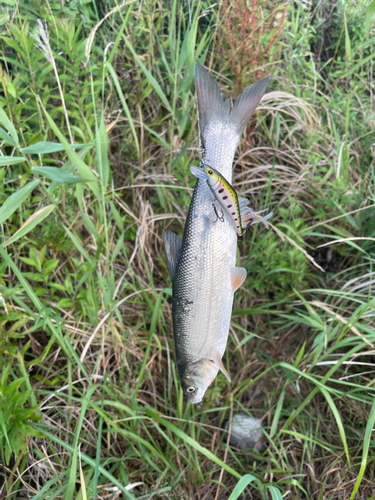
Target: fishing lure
(241, 215)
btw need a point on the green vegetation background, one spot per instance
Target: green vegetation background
(90, 404)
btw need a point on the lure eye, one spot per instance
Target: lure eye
(190, 389)
(210, 172)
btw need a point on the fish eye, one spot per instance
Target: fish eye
(210, 172)
(190, 389)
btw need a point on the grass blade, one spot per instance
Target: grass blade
(83, 169)
(77, 244)
(68, 168)
(148, 75)
(356, 67)
(7, 138)
(11, 160)
(124, 104)
(87, 460)
(74, 458)
(191, 442)
(48, 486)
(8, 126)
(82, 478)
(44, 147)
(14, 201)
(98, 448)
(275, 493)
(279, 407)
(66, 347)
(340, 426)
(366, 447)
(154, 319)
(31, 222)
(56, 174)
(241, 485)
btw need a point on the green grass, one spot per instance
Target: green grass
(96, 142)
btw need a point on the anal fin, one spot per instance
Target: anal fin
(172, 247)
(218, 362)
(238, 276)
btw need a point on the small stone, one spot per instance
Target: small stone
(247, 432)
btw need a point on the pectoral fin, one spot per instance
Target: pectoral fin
(218, 362)
(172, 247)
(238, 276)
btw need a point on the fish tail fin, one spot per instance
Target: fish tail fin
(220, 128)
(212, 105)
(246, 103)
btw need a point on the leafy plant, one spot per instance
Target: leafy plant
(14, 418)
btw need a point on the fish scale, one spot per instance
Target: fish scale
(221, 142)
(202, 265)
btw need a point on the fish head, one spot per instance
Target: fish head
(196, 378)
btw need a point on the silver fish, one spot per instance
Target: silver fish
(203, 265)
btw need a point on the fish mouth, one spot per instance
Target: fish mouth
(196, 399)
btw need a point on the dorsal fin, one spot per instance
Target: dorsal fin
(172, 247)
(238, 276)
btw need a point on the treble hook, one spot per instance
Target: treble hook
(218, 217)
